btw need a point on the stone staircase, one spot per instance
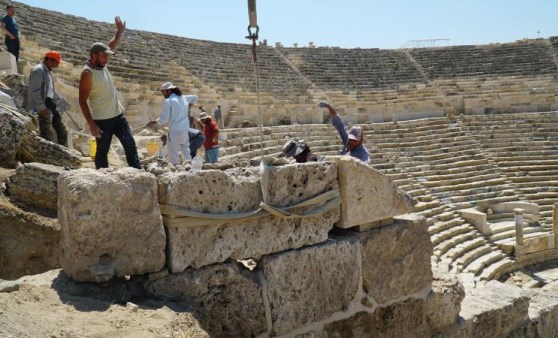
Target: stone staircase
(524, 147)
(438, 163)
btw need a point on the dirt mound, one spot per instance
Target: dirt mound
(52, 305)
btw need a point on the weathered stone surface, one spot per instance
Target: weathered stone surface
(111, 224)
(361, 324)
(228, 298)
(204, 245)
(492, 311)
(368, 195)
(404, 319)
(291, 184)
(35, 184)
(29, 243)
(36, 149)
(238, 190)
(543, 315)
(212, 191)
(444, 302)
(396, 259)
(7, 100)
(13, 127)
(311, 284)
(17, 89)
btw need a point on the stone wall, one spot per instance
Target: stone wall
(334, 283)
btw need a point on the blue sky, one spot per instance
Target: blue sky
(343, 23)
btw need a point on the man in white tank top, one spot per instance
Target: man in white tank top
(100, 106)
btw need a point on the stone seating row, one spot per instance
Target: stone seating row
(520, 58)
(529, 161)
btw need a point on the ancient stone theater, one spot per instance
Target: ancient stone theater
(448, 232)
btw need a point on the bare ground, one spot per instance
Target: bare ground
(51, 305)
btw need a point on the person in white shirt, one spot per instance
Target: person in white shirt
(175, 113)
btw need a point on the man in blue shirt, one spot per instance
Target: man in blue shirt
(11, 29)
(353, 140)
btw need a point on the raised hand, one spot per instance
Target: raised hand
(120, 26)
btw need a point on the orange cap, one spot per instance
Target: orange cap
(52, 54)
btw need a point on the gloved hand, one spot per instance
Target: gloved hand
(323, 104)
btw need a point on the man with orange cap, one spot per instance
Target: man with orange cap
(40, 98)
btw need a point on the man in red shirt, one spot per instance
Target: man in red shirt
(211, 132)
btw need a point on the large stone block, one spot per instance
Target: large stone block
(8, 63)
(13, 127)
(493, 311)
(367, 195)
(111, 224)
(35, 184)
(543, 315)
(396, 259)
(228, 299)
(403, 319)
(444, 302)
(33, 148)
(310, 284)
(238, 190)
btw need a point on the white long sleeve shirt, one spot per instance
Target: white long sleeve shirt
(175, 111)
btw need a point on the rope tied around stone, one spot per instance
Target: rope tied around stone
(177, 217)
(174, 216)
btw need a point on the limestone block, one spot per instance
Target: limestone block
(310, 284)
(362, 324)
(367, 195)
(543, 315)
(7, 100)
(494, 310)
(110, 223)
(228, 299)
(35, 184)
(33, 148)
(396, 259)
(12, 130)
(238, 190)
(403, 319)
(8, 63)
(444, 302)
(476, 218)
(538, 244)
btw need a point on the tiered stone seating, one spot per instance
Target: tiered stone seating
(437, 162)
(354, 69)
(524, 146)
(530, 57)
(245, 143)
(374, 84)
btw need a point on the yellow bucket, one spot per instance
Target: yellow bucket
(152, 148)
(92, 148)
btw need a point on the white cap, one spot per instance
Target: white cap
(167, 85)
